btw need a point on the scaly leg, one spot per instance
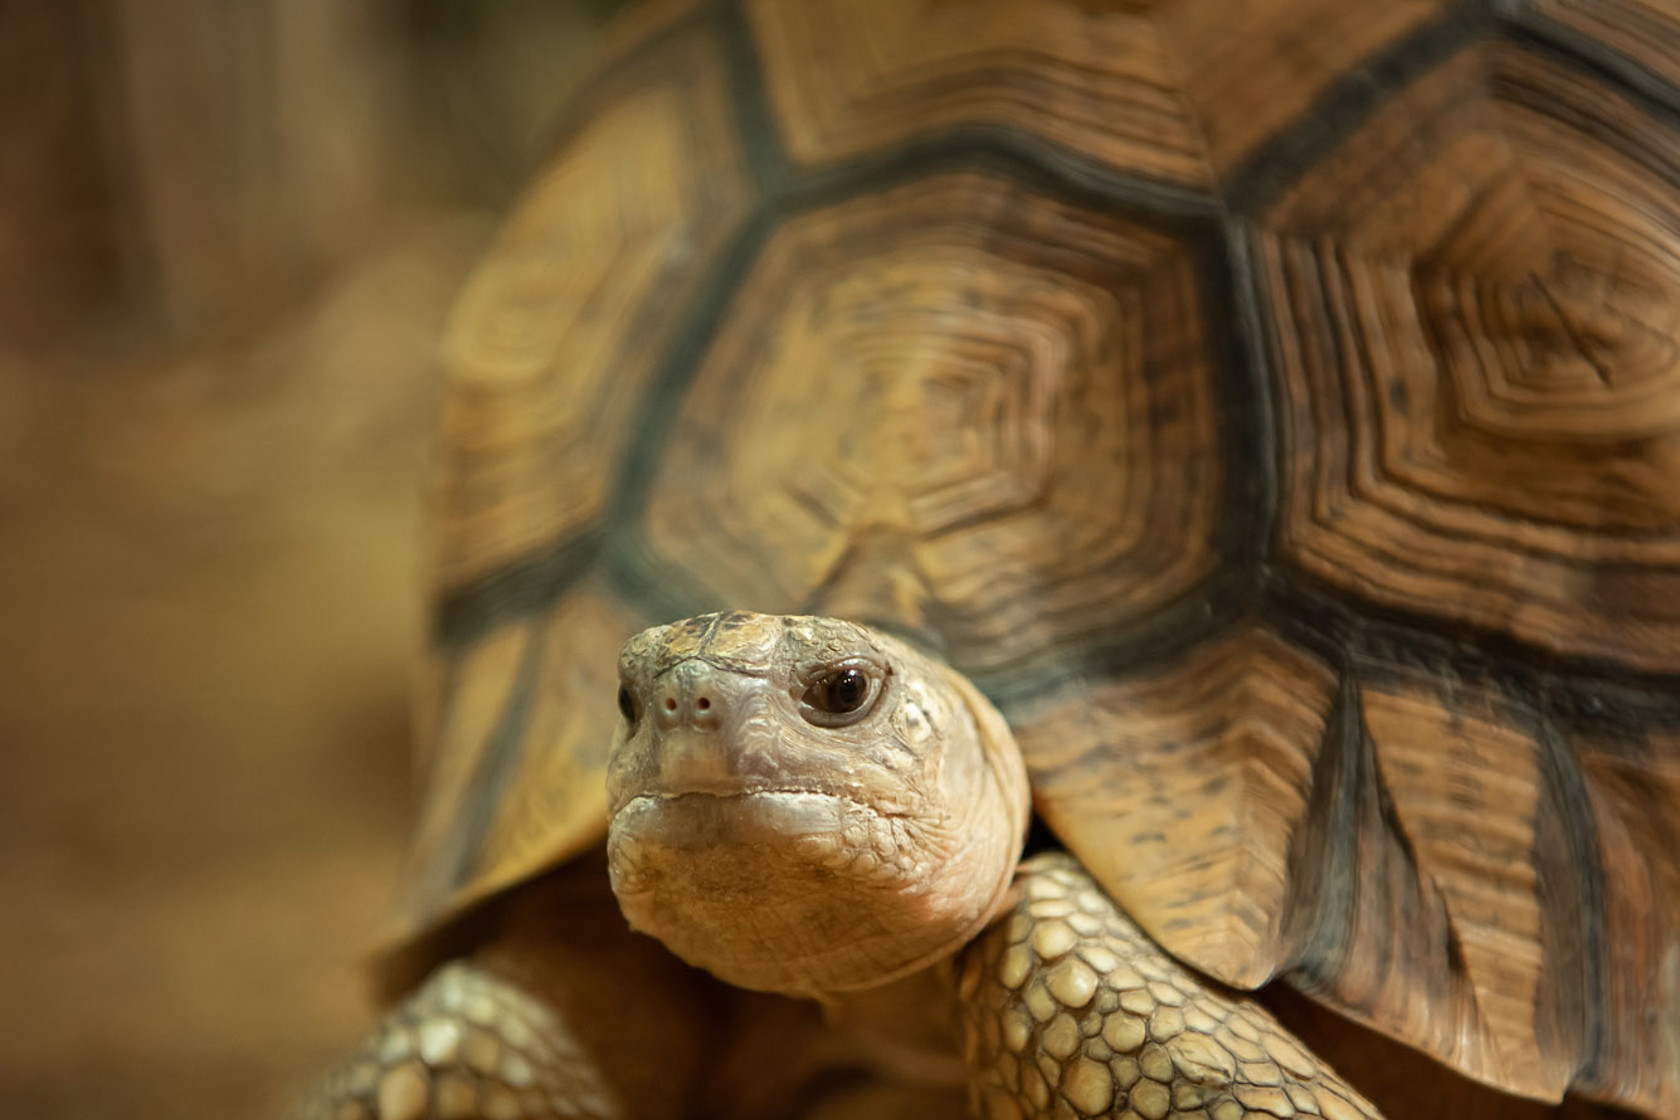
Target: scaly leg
(467, 1045)
(1070, 1010)
(557, 1011)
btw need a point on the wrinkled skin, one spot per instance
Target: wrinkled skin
(804, 806)
(788, 848)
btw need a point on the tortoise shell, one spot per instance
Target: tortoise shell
(1274, 406)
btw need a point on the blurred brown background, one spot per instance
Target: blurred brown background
(229, 233)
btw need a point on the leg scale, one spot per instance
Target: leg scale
(466, 1046)
(1070, 1010)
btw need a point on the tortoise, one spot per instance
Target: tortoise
(1272, 409)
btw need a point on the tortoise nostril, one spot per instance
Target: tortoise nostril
(670, 704)
(703, 703)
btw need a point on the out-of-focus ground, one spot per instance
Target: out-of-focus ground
(229, 234)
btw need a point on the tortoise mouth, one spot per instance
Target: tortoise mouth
(704, 801)
(789, 889)
(701, 841)
(690, 820)
(742, 794)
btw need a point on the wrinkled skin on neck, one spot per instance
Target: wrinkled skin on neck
(789, 848)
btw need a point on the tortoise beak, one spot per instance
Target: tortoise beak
(693, 736)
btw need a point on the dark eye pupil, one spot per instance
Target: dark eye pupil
(845, 691)
(626, 705)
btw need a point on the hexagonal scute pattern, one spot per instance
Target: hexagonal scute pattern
(557, 332)
(918, 389)
(849, 77)
(1070, 1010)
(1180, 92)
(1276, 397)
(1475, 310)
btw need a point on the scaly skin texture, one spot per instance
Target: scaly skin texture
(1067, 1008)
(1070, 1010)
(467, 1045)
(537, 1019)
(746, 795)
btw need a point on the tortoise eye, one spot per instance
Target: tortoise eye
(626, 704)
(840, 696)
(844, 692)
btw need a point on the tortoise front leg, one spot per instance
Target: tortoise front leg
(1070, 1010)
(558, 1011)
(468, 1045)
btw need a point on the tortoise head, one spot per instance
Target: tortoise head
(804, 805)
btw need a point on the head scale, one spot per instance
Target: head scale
(805, 805)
